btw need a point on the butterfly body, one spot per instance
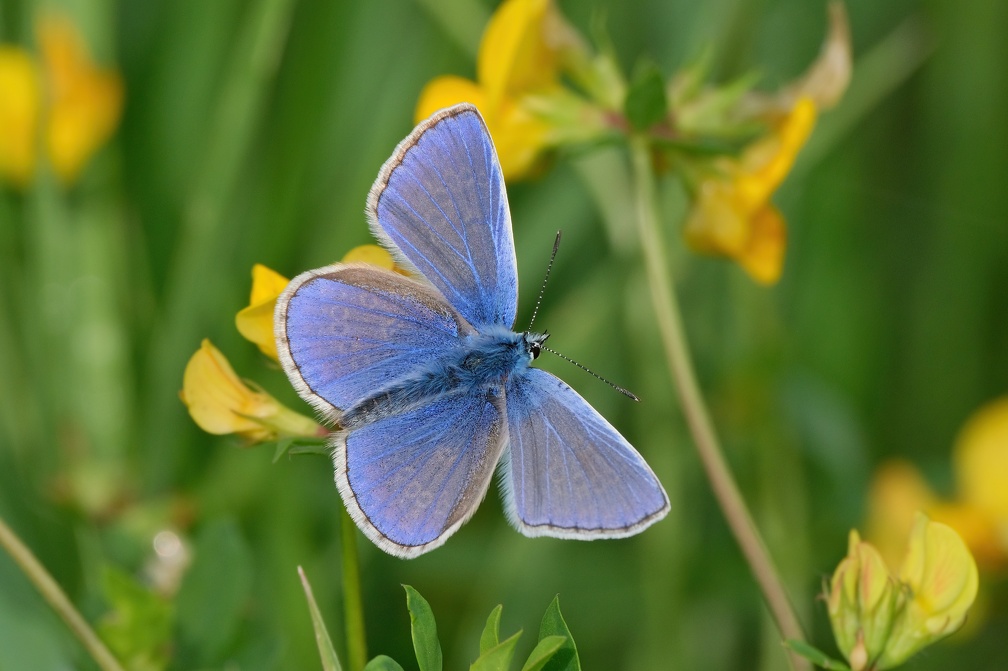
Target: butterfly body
(478, 363)
(431, 389)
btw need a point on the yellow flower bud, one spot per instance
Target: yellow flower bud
(942, 582)
(863, 602)
(220, 402)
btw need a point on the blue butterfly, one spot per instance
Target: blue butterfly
(431, 389)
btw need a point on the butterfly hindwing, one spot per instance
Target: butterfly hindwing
(347, 330)
(570, 473)
(439, 202)
(410, 480)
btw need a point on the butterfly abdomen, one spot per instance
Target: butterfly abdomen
(480, 361)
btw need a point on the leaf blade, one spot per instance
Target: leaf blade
(424, 631)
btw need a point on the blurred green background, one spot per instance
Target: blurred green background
(251, 133)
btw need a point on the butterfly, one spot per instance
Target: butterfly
(430, 388)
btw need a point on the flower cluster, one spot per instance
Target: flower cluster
(60, 104)
(979, 508)
(540, 87)
(881, 619)
(220, 402)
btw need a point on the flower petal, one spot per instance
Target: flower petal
(20, 105)
(371, 254)
(255, 322)
(980, 460)
(448, 90)
(763, 255)
(85, 101)
(218, 401)
(513, 55)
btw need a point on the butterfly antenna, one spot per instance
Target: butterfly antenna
(625, 392)
(556, 246)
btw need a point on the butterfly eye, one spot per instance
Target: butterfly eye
(535, 348)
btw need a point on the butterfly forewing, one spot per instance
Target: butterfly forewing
(412, 479)
(571, 474)
(440, 201)
(345, 331)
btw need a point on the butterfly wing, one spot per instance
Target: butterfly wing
(347, 330)
(411, 480)
(439, 204)
(571, 474)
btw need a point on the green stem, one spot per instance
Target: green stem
(725, 489)
(353, 608)
(56, 598)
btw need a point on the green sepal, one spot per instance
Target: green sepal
(815, 655)
(645, 103)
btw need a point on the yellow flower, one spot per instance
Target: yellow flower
(20, 101)
(255, 322)
(523, 49)
(84, 100)
(220, 402)
(942, 582)
(733, 216)
(880, 619)
(66, 104)
(979, 510)
(980, 460)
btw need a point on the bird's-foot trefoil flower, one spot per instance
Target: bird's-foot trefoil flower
(59, 104)
(732, 214)
(20, 102)
(255, 321)
(879, 618)
(221, 403)
(525, 48)
(977, 510)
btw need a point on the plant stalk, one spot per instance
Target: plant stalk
(56, 598)
(353, 608)
(680, 364)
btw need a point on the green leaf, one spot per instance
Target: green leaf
(138, 628)
(424, 630)
(645, 103)
(566, 657)
(330, 662)
(497, 658)
(212, 600)
(543, 652)
(383, 663)
(491, 632)
(815, 655)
